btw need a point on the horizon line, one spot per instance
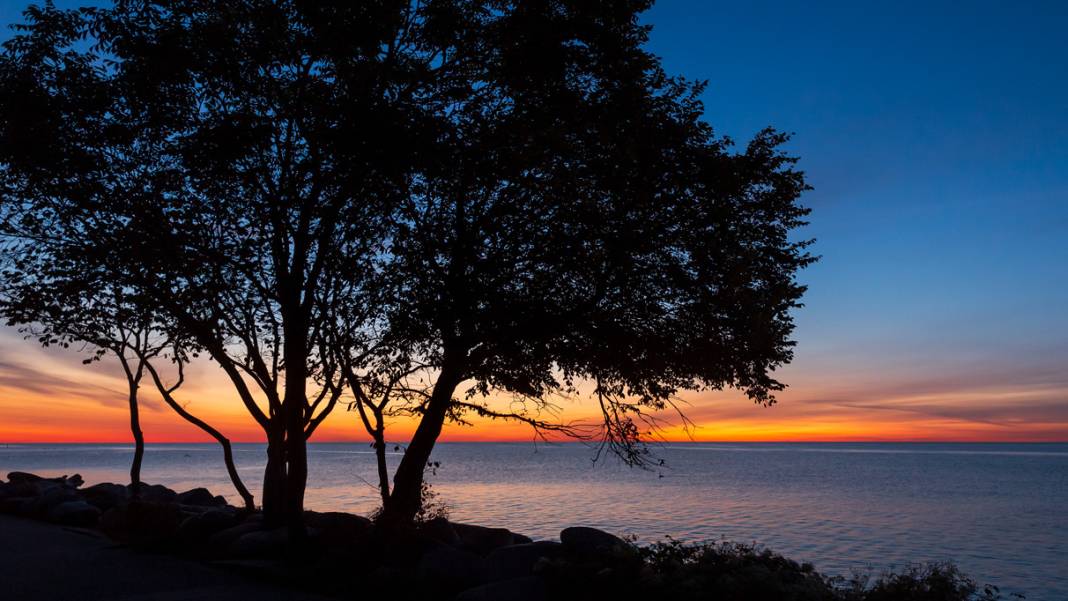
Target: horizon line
(556, 442)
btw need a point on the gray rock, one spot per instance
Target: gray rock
(30, 485)
(106, 495)
(223, 539)
(199, 527)
(450, 569)
(267, 569)
(530, 588)
(482, 540)
(403, 547)
(261, 543)
(20, 489)
(155, 493)
(440, 530)
(591, 541)
(337, 529)
(26, 478)
(74, 513)
(517, 561)
(142, 523)
(53, 497)
(17, 505)
(18, 477)
(200, 497)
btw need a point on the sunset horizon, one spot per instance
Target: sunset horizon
(533, 300)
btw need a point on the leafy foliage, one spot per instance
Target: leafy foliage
(429, 204)
(738, 572)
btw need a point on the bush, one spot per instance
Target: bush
(725, 571)
(930, 582)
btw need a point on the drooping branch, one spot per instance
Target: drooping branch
(542, 428)
(167, 393)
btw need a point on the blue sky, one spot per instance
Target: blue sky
(936, 137)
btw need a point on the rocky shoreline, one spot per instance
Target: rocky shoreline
(349, 556)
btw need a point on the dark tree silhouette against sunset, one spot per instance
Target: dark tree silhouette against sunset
(419, 205)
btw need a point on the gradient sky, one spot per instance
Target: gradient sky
(936, 136)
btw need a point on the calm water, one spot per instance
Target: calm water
(998, 510)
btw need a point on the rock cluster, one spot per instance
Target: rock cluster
(150, 511)
(349, 557)
(438, 558)
(477, 563)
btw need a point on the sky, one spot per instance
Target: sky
(935, 135)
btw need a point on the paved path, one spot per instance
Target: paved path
(44, 562)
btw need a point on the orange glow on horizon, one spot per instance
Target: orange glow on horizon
(51, 397)
(23, 419)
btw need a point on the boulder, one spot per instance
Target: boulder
(21, 489)
(518, 561)
(337, 529)
(403, 546)
(23, 484)
(482, 540)
(221, 540)
(27, 478)
(106, 495)
(530, 588)
(19, 477)
(155, 493)
(263, 569)
(53, 497)
(200, 497)
(440, 530)
(199, 527)
(450, 569)
(261, 543)
(591, 541)
(74, 513)
(142, 523)
(17, 505)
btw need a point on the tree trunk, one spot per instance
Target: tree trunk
(297, 471)
(377, 433)
(274, 477)
(383, 469)
(139, 441)
(133, 382)
(294, 408)
(405, 500)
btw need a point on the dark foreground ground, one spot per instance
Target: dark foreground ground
(61, 542)
(47, 562)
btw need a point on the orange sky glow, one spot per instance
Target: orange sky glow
(49, 396)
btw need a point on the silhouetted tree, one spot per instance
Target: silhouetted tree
(52, 293)
(424, 202)
(59, 302)
(576, 223)
(217, 156)
(98, 324)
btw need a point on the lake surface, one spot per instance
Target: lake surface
(1000, 511)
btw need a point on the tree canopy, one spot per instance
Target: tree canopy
(424, 204)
